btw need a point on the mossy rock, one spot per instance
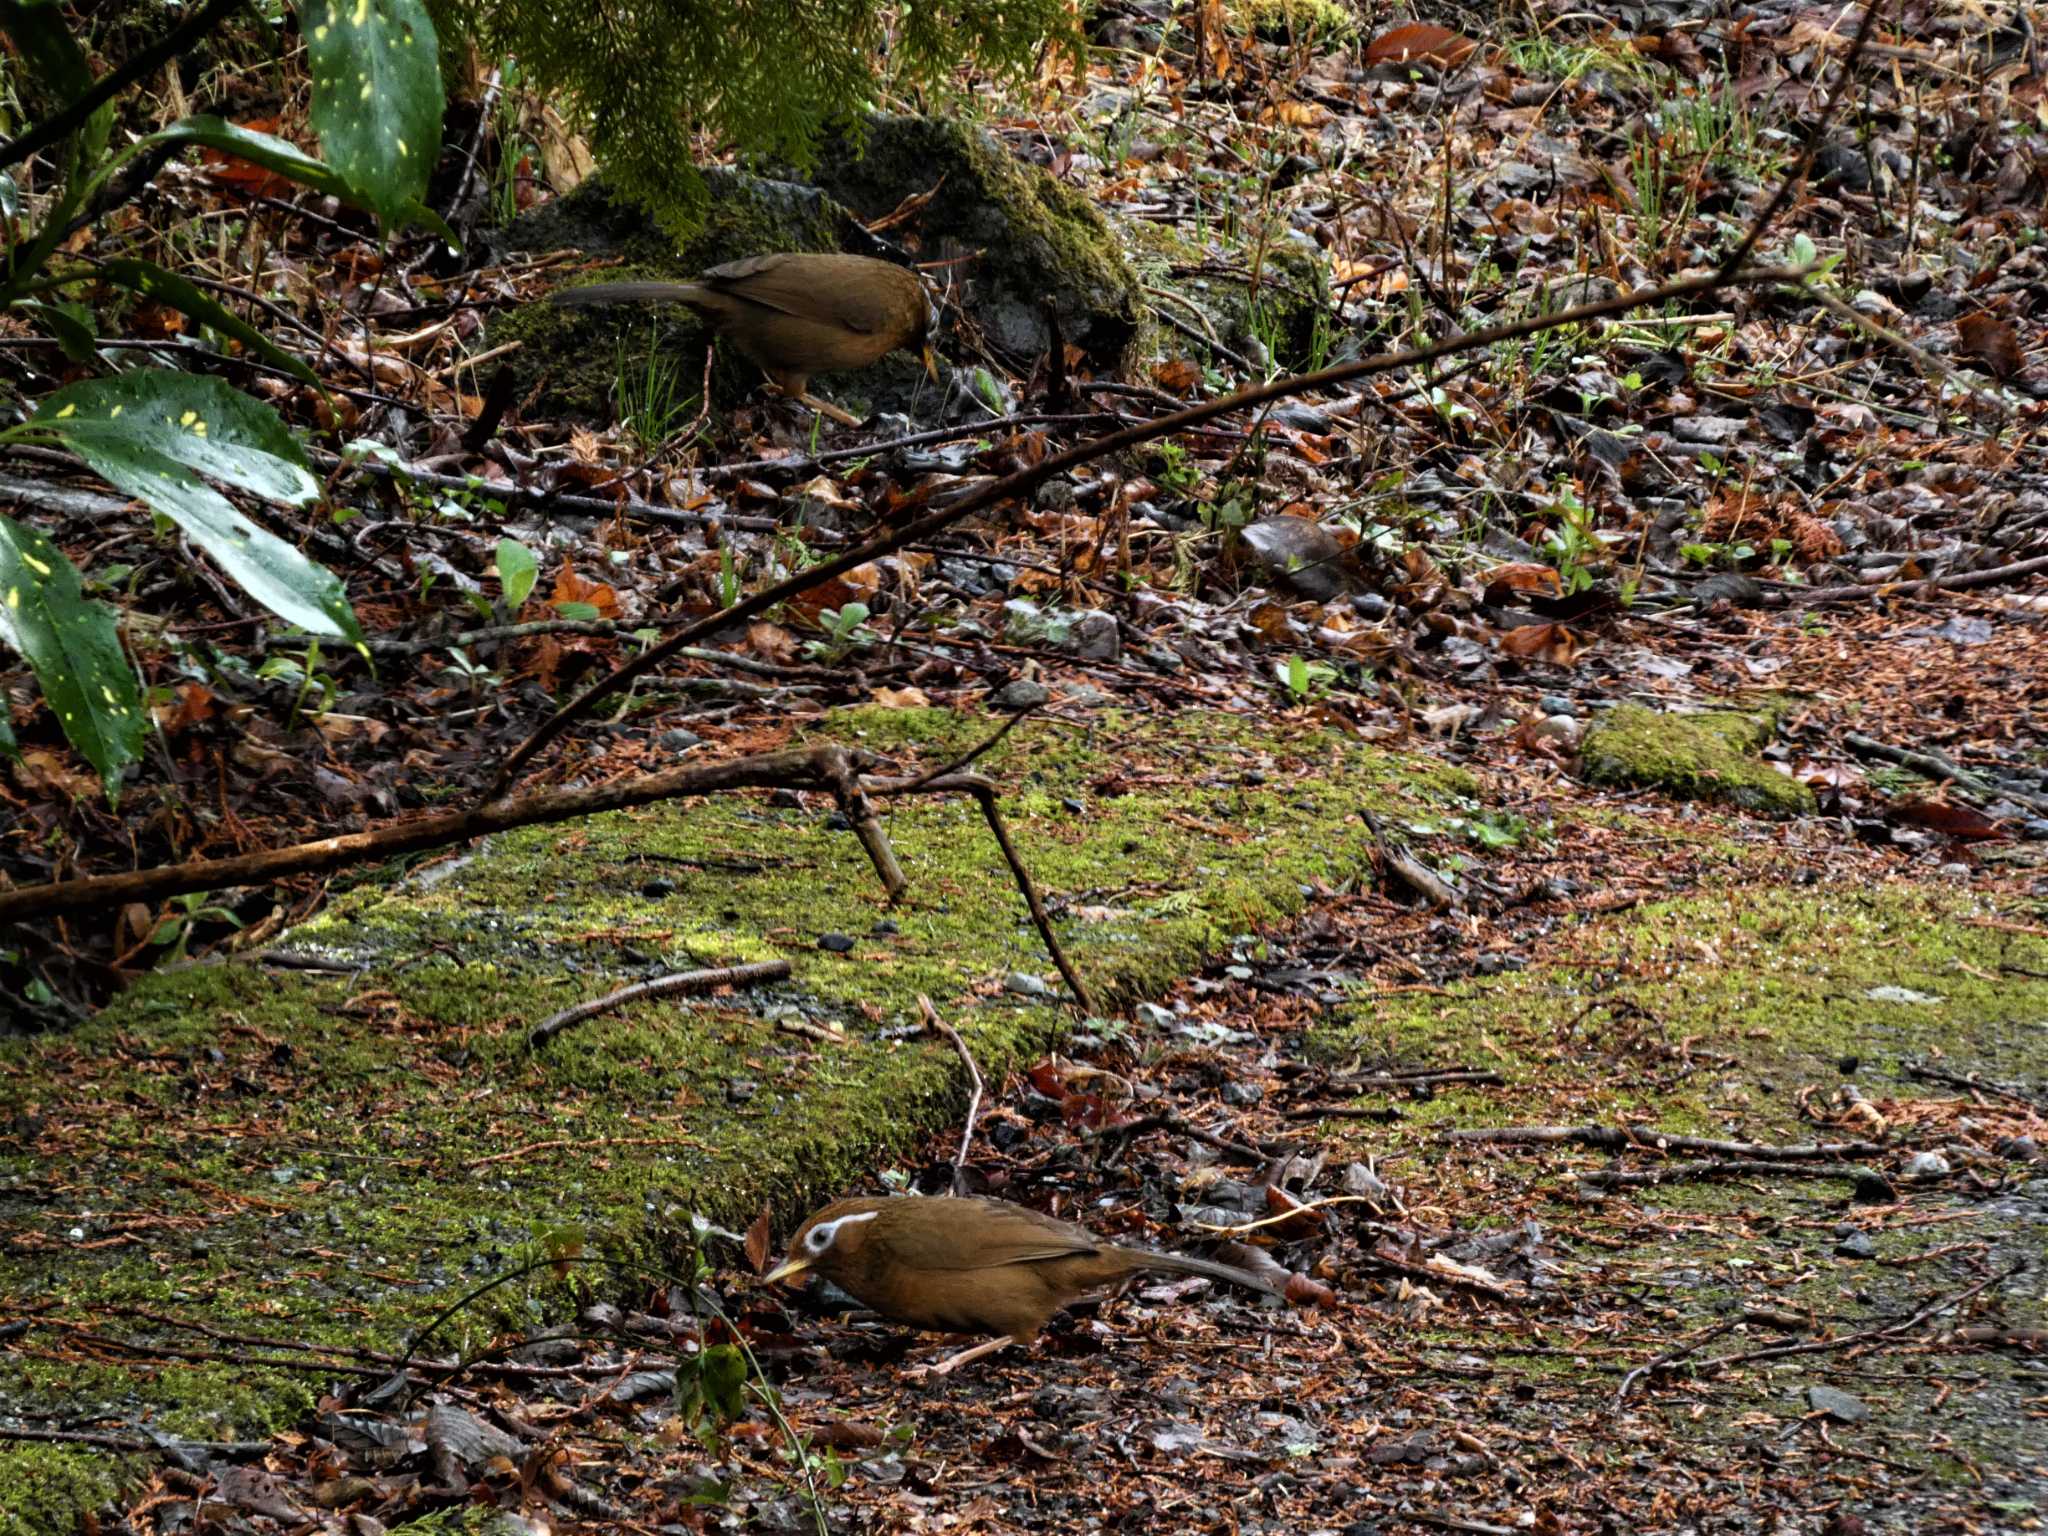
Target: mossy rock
(572, 361)
(1711, 755)
(1031, 239)
(1285, 315)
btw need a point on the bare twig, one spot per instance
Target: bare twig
(677, 984)
(1644, 1139)
(937, 1025)
(1998, 575)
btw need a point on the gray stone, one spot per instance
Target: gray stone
(1020, 694)
(1299, 554)
(1926, 1165)
(1857, 1245)
(1024, 984)
(1836, 1404)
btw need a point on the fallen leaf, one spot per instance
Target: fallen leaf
(1420, 42)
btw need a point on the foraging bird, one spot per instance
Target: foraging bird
(971, 1266)
(797, 314)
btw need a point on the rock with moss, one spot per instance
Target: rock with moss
(1711, 755)
(1027, 239)
(1270, 303)
(599, 363)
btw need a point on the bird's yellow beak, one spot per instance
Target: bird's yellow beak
(785, 1269)
(931, 363)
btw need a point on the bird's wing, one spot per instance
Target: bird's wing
(1000, 1234)
(777, 282)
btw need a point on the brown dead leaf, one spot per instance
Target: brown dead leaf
(771, 642)
(1177, 376)
(1420, 42)
(1992, 343)
(758, 1251)
(1963, 822)
(571, 588)
(901, 698)
(1543, 642)
(1504, 581)
(857, 586)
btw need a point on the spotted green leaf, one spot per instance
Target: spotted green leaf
(376, 95)
(70, 643)
(154, 433)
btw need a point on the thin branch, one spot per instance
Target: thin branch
(933, 1022)
(677, 984)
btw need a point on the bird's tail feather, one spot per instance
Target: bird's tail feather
(626, 293)
(1209, 1269)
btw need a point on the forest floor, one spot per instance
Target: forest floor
(1627, 785)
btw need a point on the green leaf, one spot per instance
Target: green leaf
(185, 296)
(376, 96)
(153, 433)
(583, 612)
(70, 643)
(517, 571)
(10, 197)
(66, 322)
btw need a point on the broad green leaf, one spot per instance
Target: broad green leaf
(153, 433)
(286, 159)
(517, 571)
(70, 643)
(376, 95)
(10, 197)
(185, 296)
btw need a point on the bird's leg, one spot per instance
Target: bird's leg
(954, 1362)
(827, 408)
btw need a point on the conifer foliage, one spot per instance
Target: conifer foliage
(766, 77)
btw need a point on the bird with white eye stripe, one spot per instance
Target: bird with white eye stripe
(972, 1266)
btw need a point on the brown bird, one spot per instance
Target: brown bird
(797, 314)
(971, 1266)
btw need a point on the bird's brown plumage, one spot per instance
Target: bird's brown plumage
(794, 313)
(972, 1266)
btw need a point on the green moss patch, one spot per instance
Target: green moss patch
(333, 1157)
(1711, 755)
(1711, 1010)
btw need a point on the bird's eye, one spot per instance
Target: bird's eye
(818, 1240)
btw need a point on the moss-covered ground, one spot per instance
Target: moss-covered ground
(1756, 1012)
(331, 1157)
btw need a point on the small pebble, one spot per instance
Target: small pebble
(1024, 984)
(1926, 1165)
(1857, 1245)
(836, 943)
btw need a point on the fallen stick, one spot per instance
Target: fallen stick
(1623, 1138)
(1702, 1172)
(677, 984)
(1863, 591)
